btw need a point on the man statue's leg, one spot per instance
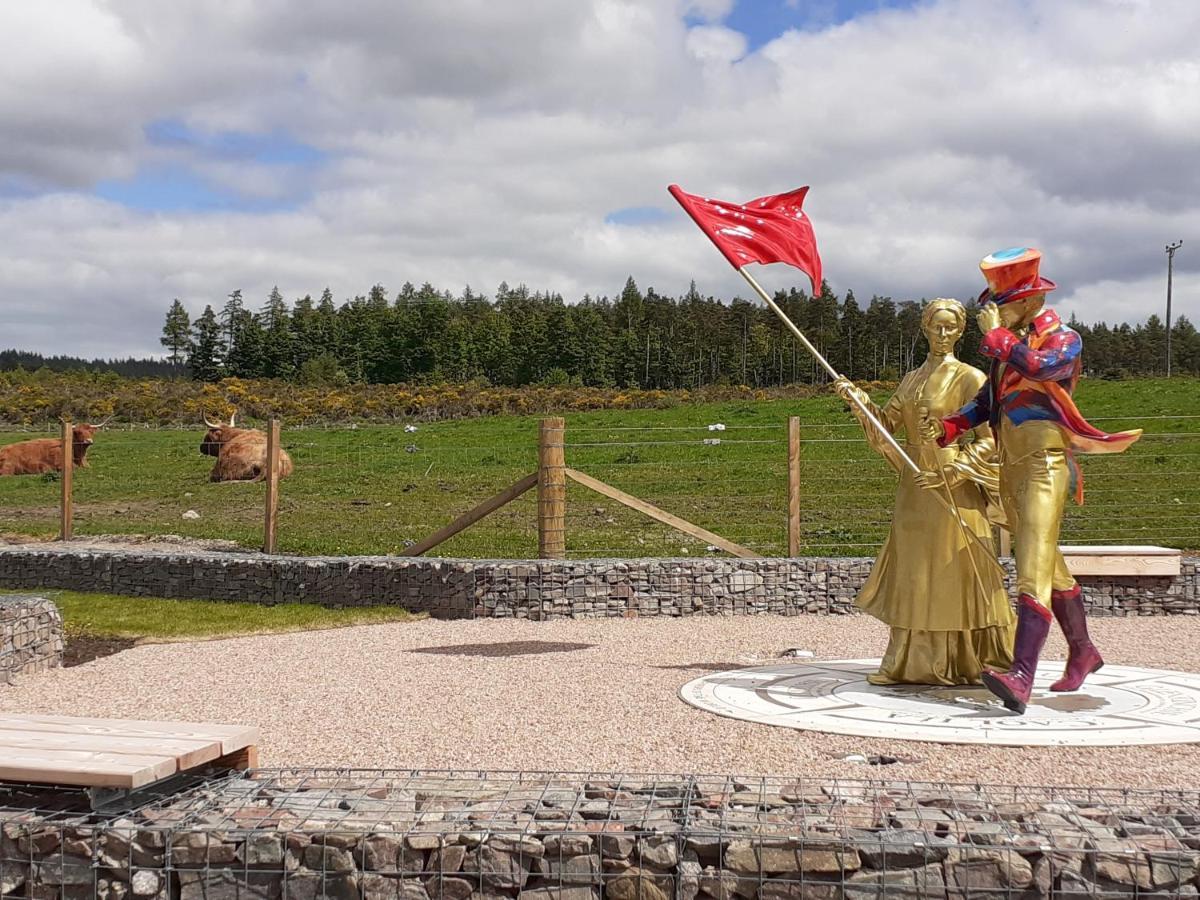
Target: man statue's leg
(1039, 491)
(1066, 600)
(1014, 686)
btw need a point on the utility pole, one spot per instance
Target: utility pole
(1171, 248)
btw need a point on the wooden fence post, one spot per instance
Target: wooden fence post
(552, 489)
(794, 486)
(66, 509)
(272, 487)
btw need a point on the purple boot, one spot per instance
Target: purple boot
(1033, 625)
(1083, 658)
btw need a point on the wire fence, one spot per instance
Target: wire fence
(734, 481)
(378, 489)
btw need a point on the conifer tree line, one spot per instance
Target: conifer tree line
(130, 367)
(637, 339)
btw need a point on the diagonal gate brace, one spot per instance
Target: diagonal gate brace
(660, 515)
(469, 518)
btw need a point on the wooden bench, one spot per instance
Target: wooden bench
(1122, 560)
(116, 754)
(1098, 559)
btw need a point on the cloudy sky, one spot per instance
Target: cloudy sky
(155, 150)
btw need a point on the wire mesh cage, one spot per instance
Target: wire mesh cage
(462, 834)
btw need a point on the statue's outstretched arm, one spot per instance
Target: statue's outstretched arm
(890, 415)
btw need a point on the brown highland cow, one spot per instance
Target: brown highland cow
(241, 452)
(43, 455)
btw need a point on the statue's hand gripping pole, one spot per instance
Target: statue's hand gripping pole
(946, 501)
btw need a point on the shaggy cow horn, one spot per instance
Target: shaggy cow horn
(105, 422)
(211, 424)
(232, 416)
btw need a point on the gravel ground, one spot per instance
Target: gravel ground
(361, 697)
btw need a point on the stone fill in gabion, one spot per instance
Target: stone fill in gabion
(537, 836)
(31, 636)
(527, 589)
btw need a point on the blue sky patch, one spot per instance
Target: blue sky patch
(272, 148)
(16, 187)
(175, 188)
(761, 21)
(636, 215)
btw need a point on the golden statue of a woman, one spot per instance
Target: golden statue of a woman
(949, 618)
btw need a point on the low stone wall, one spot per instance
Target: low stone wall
(31, 636)
(534, 589)
(545, 836)
(441, 588)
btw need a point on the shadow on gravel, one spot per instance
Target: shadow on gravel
(505, 648)
(84, 648)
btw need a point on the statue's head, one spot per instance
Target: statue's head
(1015, 285)
(1016, 313)
(943, 321)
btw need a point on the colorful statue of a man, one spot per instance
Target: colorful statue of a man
(1028, 402)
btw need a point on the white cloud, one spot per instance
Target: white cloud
(716, 44)
(469, 143)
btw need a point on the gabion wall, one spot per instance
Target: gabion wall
(31, 636)
(544, 836)
(534, 589)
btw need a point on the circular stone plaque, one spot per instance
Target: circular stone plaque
(1119, 705)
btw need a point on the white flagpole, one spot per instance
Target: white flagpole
(950, 505)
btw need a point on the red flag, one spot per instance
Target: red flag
(767, 230)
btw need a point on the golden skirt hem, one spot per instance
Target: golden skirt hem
(944, 657)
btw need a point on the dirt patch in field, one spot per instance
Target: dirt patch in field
(97, 508)
(35, 512)
(160, 542)
(134, 508)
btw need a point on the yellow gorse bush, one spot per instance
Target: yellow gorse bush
(38, 398)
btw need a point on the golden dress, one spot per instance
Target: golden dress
(945, 627)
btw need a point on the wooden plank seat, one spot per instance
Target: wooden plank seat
(1122, 560)
(116, 754)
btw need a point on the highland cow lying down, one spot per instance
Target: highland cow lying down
(42, 455)
(241, 452)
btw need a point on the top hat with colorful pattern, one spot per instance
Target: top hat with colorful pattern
(1012, 274)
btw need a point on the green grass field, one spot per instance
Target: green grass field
(96, 625)
(374, 489)
(109, 616)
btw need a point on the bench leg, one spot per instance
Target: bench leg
(239, 760)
